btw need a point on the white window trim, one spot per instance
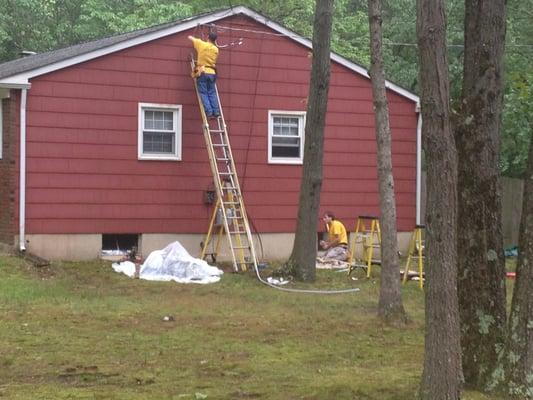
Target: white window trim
(177, 123)
(286, 160)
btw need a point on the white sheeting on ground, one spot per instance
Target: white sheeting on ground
(173, 263)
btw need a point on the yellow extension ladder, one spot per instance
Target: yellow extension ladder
(365, 239)
(230, 205)
(416, 252)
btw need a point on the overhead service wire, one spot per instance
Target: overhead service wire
(385, 42)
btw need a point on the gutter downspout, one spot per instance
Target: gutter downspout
(22, 180)
(418, 164)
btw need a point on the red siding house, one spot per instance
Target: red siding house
(79, 164)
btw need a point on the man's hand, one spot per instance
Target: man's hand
(324, 244)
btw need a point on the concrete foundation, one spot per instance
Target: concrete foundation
(64, 246)
(269, 246)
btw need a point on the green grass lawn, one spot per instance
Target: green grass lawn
(82, 331)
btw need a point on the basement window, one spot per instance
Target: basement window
(286, 137)
(119, 244)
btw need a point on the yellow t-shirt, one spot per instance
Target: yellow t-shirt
(337, 229)
(207, 55)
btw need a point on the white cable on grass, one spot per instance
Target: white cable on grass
(311, 291)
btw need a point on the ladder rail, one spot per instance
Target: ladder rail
(236, 184)
(233, 193)
(416, 252)
(214, 167)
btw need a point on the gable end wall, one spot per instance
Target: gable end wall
(84, 176)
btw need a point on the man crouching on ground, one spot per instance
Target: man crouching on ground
(337, 244)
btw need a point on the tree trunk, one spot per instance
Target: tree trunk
(442, 377)
(302, 261)
(481, 266)
(514, 372)
(390, 298)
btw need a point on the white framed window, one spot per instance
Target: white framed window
(159, 135)
(286, 137)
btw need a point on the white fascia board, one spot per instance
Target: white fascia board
(24, 77)
(8, 84)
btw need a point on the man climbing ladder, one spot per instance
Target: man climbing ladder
(230, 203)
(206, 73)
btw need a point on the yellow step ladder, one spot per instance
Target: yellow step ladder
(416, 253)
(365, 239)
(230, 205)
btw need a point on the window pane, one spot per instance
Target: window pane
(286, 126)
(286, 152)
(169, 121)
(148, 120)
(158, 142)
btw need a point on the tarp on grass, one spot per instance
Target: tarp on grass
(173, 263)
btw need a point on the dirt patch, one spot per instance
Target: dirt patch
(86, 376)
(6, 250)
(241, 394)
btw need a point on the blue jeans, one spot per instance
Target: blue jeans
(208, 94)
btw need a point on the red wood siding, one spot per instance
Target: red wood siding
(83, 175)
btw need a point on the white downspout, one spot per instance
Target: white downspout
(22, 181)
(418, 164)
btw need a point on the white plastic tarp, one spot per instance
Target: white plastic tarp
(173, 263)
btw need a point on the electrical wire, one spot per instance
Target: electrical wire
(385, 42)
(252, 120)
(256, 269)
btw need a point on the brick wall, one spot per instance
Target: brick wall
(8, 172)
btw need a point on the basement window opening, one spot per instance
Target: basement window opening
(119, 244)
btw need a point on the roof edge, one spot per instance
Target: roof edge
(6, 84)
(21, 80)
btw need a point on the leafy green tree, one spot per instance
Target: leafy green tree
(42, 25)
(518, 101)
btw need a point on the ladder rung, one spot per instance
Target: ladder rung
(234, 217)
